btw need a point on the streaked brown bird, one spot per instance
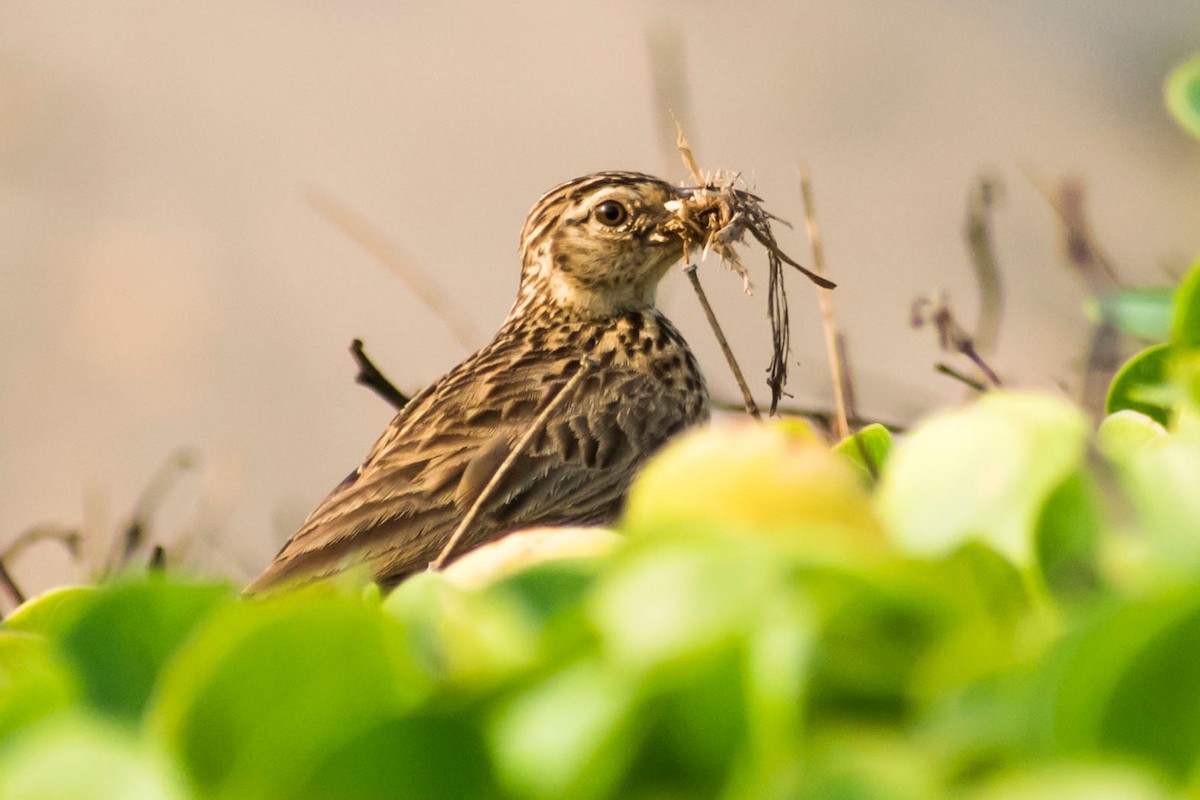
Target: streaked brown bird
(593, 251)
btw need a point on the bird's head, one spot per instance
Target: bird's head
(599, 244)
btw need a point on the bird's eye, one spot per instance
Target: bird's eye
(611, 213)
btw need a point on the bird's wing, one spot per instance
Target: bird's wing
(397, 511)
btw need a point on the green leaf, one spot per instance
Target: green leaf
(1185, 331)
(983, 472)
(460, 635)
(658, 605)
(125, 633)
(551, 589)
(1068, 536)
(1162, 479)
(83, 759)
(34, 683)
(571, 735)
(425, 755)
(770, 481)
(1087, 781)
(1126, 432)
(1182, 91)
(696, 726)
(1129, 684)
(870, 764)
(904, 635)
(52, 612)
(865, 658)
(1144, 312)
(1147, 369)
(872, 444)
(269, 688)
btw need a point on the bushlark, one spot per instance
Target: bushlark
(496, 439)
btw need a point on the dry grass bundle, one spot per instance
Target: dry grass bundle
(715, 217)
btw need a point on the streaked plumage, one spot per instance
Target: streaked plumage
(593, 251)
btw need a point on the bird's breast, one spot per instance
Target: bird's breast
(647, 343)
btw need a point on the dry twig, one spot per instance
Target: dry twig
(747, 397)
(952, 337)
(370, 376)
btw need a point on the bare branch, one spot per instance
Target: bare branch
(370, 376)
(952, 337)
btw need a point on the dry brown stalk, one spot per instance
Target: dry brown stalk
(837, 364)
(747, 397)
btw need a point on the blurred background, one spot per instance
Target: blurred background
(170, 276)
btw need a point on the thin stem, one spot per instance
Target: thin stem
(556, 402)
(946, 369)
(747, 397)
(837, 366)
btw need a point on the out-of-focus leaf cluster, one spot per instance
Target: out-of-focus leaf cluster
(1004, 604)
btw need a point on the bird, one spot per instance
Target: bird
(497, 439)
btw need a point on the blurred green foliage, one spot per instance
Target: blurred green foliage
(1004, 603)
(1182, 91)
